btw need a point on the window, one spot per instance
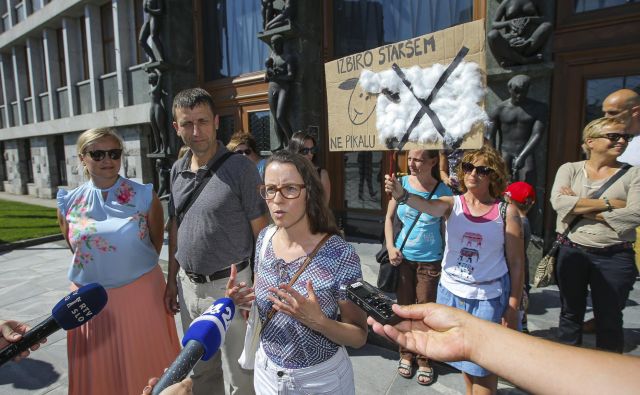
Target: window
(61, 59)
(85, 59)
(138, 14)
(27, 152)
(599, 89)
(230, 44)
(259, 127)
(226, 128)
(363, 24)
(590, 5)
(108, 41)
(365, 167)
(58, 146)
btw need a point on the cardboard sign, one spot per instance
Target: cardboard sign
(351, 111)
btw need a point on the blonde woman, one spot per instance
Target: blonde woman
(598, 251)
(114, 228)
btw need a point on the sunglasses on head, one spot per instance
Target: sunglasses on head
(99, 154)
(614, 137)
(482, 171)
(307, 151)
(246, 152)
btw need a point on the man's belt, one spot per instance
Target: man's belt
(224, 273)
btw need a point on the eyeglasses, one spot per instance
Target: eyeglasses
(613, 137)
(246, 152)
(482, 171)
(307, 151)
(288, 191)
(99, 154)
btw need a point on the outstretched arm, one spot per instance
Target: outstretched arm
(448, 334)
(435, 207)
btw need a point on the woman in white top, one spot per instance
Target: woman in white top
(598, 251)
(482, 268)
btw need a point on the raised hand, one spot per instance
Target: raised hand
(240, 293)
(291, 302)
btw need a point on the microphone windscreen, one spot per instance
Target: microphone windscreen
(80, 306)
(210, 328)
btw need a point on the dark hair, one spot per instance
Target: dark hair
(241, 137)
(296, 143)
(190, 98)
(321, 219)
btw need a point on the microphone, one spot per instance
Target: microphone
(74, 310)
(202, 340)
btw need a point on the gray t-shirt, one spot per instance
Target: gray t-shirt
(216, 231)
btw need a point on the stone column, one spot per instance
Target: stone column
(540, 71)
(8, 88)
(94, 54)
(19, 66)
(52, 68)
(36, 75)
(45, 176)
(73, 64)
(121, 11)
(17, 177)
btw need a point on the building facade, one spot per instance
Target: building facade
(69, 65)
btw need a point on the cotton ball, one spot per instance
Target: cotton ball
(370, 82)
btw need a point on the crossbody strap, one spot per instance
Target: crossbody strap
(599, 192)
(298, 273)
(417, 218)
(212, 166)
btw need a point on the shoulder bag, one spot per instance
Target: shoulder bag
(545, 271)
(255, 326)
(388, 273)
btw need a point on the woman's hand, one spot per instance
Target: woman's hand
(182, 388)
(395, 256)
(240, 293)
(291, 302)
(393, 186)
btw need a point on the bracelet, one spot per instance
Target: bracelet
(608, 203)
(405, 196)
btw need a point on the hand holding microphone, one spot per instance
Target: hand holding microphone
(202, 340)
(74, 310)
(11, 331)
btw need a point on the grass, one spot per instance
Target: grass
(20, 221)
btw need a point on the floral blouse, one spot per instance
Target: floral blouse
(109, 237)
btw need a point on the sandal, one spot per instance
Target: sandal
(408, 370)
(425, 375)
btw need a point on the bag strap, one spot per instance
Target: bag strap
(417, 218)
(298, 273)
(211, 166)
(599, 192)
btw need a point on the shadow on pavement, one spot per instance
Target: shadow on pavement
(28, 374)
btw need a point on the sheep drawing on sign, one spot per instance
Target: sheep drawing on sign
(404, 95)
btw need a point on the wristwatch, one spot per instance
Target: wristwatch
(608, 203)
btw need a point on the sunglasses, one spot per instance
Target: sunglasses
(99, 154)
(482, 171)
(246, 152)
(307, 151)
(613, 137)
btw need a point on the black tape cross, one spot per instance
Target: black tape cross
(425, 103)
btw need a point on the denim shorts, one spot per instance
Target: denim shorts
(490, 310)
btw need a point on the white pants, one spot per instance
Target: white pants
(333, 376)
(208, 375)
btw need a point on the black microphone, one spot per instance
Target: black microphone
(202, 340)
(74, 310)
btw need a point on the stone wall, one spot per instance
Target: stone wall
(16, 162)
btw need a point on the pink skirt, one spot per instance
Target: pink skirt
(131, 340)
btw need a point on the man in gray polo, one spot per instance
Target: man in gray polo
(209, 232)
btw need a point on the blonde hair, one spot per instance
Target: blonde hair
(497, 178)
(594, 129)
(91, 136)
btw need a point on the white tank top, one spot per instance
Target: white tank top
(474, 260)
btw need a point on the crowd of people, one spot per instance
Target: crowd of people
(261, 232)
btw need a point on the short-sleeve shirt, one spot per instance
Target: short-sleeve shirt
(285, 340)
(425, 241)
(110, 236)
(216, 231)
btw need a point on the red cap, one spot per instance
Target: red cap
(521, 192)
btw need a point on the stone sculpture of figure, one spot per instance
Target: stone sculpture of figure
(151, 28)
(518, 33)
(519, 123)
(164, 176)
(280, 74)
(281, 19)
(267, 12)
(157, 113)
